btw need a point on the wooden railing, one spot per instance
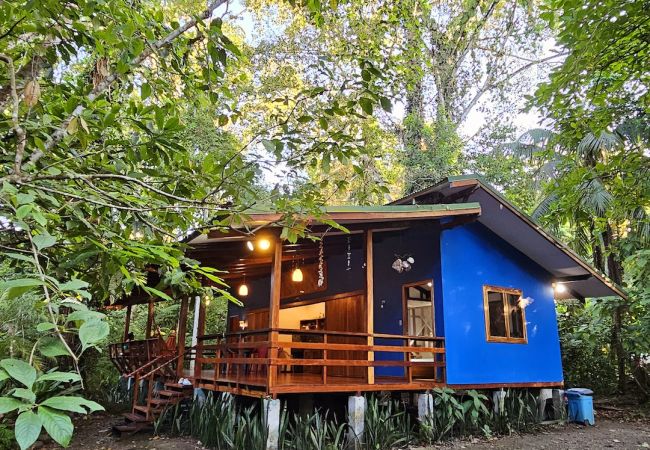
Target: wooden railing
(132, 355)
(240, 362)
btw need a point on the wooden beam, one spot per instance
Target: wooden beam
(274, 310)
(147, 332)
(370, 322)
(127, 323)
(180, 338)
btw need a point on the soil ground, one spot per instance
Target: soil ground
(615, 428)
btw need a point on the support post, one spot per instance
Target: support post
(196, 342)
(127, 323)
(425, 405)
(544, 395)
(498, 401)
(370, 313)
(274, 312)
(356, 419)
(272, 421)
(180, 337)
(147, 332)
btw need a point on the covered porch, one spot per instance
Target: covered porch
(329, 315)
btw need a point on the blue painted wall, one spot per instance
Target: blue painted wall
(422, 243)
(473, 256)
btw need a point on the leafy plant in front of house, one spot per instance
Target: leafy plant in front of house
(387, 424)
(317, 431)
(518, 412)
(40, 402)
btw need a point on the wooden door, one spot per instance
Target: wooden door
(346, 314)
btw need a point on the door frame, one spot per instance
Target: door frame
(405, 305)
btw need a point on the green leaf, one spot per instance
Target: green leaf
(4, 375)
(59, 376)
(52, 347)
(44, 240)
(27, 428)
(19, 371)
(25, 394)
(9, 404)
(23, 199)
(386, 104)
(157, 293)
(91, 332)
(73, 285)
(74, 404)
(45, 326)
(23, 211)
(145, 90)
(58, 425)
(84, 315)
(366, 105)
(14, 288)
(20, 257)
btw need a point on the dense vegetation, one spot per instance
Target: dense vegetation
(124, 128)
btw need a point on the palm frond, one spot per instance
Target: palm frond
(544, 207)
(595, 196)
(592, 146)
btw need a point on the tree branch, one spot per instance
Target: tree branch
(60, 133)
(21, 136)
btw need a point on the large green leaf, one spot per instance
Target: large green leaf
(26, 394)
(52, 347)
(4, 375)
(14, 288)
(59, 376)
(84, 315)
(8, 404)
(74, 404)
(27, 429)
(73, 285)
(92, 332)
(19, 371)
(58, 425)
(44, 240)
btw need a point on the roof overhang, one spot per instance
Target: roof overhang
(342, 215)
(519, 230)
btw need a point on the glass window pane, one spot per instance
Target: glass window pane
(496, 314)
(516, 316)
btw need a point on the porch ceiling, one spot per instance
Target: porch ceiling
(520, 231)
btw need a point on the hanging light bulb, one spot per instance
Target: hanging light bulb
(264, 244)
(250, 245)
(560, 288)
(297, 275)
(243, 290)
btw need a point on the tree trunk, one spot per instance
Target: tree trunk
(615, 272)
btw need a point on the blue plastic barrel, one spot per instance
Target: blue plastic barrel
(581, 405)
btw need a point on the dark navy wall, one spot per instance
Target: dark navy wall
(473, 256)
(422, 243)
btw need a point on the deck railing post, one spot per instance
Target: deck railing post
(370, 313)
(182, 327)
(274, 314)
(325, 358)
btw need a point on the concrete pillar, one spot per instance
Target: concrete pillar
(498, 401)
(272, 419)
(356, 419)
(199, 396)
(544, 394)
(425, 405)
(195, 327)
(558, 404)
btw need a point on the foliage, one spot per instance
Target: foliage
(40, 401)
(604, 78)
(585, 341)
(316, 431)
(455, 416)
(387, 424)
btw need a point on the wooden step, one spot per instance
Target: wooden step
(172, 384)
(161, 401)
(169, 393)
(143, 408)
(135, 417)
(131, 428)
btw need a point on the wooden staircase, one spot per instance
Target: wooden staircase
(148, 405)
(142, 416)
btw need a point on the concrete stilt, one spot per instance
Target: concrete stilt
(356, 418)
(199, 396)
(558, 404)
(498, 401)
(544, 394)
(425, 405)
(272, 420)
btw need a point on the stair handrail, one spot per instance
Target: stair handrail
(144, 366)
(176, 357)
